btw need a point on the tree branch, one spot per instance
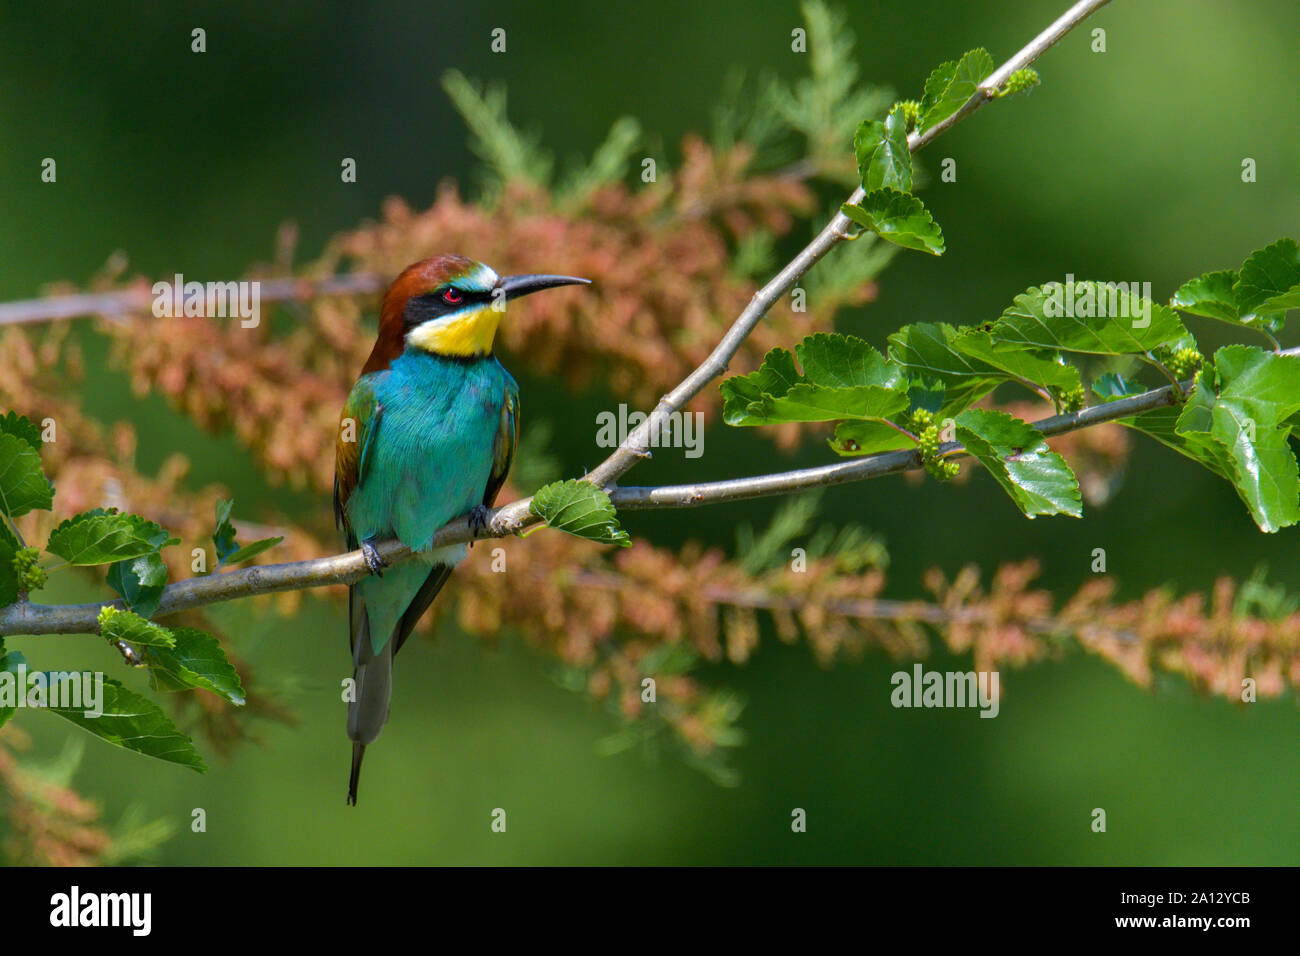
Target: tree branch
(121, 302)
(27, 618)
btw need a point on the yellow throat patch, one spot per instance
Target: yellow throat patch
(463, 335)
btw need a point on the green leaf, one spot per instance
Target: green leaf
(867, 438)
(1242, 405)
(1210, 295)
(1016, 454)
(196, 660)
(104, 536)
(843, 378)
(228, 549)
(11, 423)
(136, 723)
(581, 509)
(140, 582)
(224, 535)
(1049, 318)
(1042, 368)
(8, 573)
(23, 485)
(883, 156)
(928, 350)
(1268, 283)
(249, 551)
(845, 361)
(118, 625)
(951, 84)
(899, 218)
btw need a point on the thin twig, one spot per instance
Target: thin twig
(140, 299)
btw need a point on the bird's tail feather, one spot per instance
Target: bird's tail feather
(358, 751)
(372, 677)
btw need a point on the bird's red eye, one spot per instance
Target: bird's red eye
(452, 297)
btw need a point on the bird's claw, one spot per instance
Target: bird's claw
(478, 520)
(374, 562)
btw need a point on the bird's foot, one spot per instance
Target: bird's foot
(478, 521)
(374, 562)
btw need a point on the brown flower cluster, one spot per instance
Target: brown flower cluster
(49, 823)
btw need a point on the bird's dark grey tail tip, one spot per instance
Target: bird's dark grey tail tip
(358, 751)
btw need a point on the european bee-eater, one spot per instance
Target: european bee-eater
(427, 435)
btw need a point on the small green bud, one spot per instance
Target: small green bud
(31, 576)
(1071, 399)
(911, 112)
(1184, 362)
(1019, 82)
(928, 444)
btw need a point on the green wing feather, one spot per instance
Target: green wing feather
(351, 458)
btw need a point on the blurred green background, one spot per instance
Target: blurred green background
(1124, 164)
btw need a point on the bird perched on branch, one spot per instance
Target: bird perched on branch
(427, 434)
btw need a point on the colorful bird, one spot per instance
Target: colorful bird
(427, 434)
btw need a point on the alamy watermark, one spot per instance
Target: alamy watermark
(61, 690)
(211, 300)
(678, 430)
(133, 911)
(922, 688)
(1086, 300)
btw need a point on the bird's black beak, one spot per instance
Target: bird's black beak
(516, 286)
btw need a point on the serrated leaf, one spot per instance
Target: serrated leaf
(23, 485)
(1242, 404)
(140, 582)
(135, 723)
(1268, 283)
(104, 536)
(1016, 455)
(839, 360)
(883, 156)
(951, 84)
(581, 509)
(118, 625)
(1210, 295)
(11, 423)
(250, 551)
(1048, 318)
(777, 392)
(196, 660)
(899, 218)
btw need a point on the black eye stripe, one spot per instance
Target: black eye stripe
(432, 305)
